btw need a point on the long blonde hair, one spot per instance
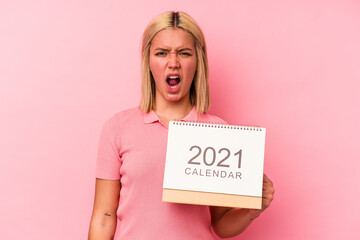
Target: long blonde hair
(199, 90)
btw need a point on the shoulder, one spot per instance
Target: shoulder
(130, 114)
(207, 117)
(123, 118)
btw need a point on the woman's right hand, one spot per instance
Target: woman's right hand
(103, 219)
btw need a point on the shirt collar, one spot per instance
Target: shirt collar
(151, 116)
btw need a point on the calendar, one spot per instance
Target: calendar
(214, 164)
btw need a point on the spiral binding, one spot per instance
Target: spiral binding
(217, 125)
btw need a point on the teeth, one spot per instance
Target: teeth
(173, 87)
(173, 77)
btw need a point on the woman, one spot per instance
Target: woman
(132, 146)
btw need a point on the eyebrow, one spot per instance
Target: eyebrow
(167, 50)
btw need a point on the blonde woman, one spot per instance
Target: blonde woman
(132, 146)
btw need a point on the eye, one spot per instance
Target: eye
(185, 54)
(160, 54)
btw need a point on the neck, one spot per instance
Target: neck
(168, 111)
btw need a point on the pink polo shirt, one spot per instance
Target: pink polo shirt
(132, 148)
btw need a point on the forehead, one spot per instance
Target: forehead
(172, 39)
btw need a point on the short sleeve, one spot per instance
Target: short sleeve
(108, 160)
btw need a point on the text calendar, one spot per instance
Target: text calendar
(214, 164)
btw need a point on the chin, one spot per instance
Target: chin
(174, 98)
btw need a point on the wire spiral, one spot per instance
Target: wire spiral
(217, 125)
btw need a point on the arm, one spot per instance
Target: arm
(103, 220)
(229, 222)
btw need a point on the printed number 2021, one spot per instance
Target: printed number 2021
(209, 156)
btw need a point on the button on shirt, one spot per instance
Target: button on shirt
(132, 148)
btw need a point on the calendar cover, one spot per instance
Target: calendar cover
(214, 164)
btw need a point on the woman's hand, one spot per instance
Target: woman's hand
(267, 197)
(229, 222)
(104, 219)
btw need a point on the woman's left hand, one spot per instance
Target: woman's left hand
(267, 197)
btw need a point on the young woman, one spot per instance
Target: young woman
(132, 146)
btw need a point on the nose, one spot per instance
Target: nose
(173, 60)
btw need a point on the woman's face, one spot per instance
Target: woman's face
(173, 64)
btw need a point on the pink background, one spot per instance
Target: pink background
(290, 66)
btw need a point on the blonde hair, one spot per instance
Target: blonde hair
(199, 90)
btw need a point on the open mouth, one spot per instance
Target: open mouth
(173, 81)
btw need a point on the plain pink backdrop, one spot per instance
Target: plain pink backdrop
(290, 66)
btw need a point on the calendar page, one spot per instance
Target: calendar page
(214, 164)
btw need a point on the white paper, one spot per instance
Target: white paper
(203, 173)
